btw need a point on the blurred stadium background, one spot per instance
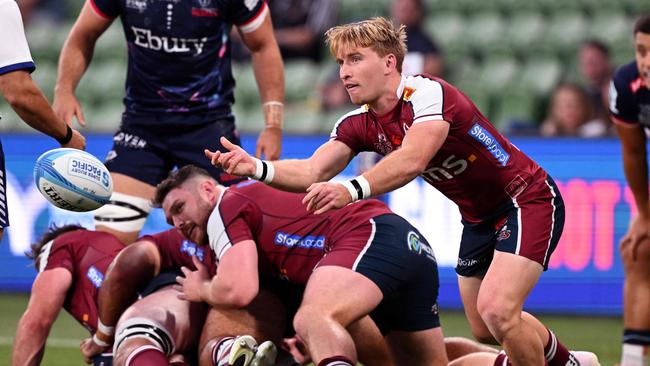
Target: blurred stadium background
(507, 55)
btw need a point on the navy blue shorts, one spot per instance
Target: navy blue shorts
(530, 226)
(4, 209)
(400, 261)
(148, 153)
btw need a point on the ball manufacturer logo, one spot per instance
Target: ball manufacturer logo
(105, 180)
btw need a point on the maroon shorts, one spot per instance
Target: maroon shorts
(530, 226)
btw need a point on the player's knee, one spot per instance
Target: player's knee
(500, 316)
(635, 259)
(307, 316)
(136, 332)
(484, 336)
(123, 213)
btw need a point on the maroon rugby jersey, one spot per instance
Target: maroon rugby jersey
(289, 239)
(476, 167)
(86, 254)
(176, 251)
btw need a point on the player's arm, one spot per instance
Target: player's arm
(293, 175)
(75, 57)
(269, 74)
(132, 269)
(635, 164)
(236, 283)
(421, 143)
(47, 297)
(30, 104)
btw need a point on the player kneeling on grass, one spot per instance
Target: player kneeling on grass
(71, 263)
(160, 328)
(359, 260)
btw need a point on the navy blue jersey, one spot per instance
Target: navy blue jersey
(179, 55)
(629, 98)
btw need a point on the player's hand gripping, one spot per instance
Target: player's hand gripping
(638, 233)
(90, 349)
(325, 196)
(269, 144)
(196, 284)
(235, 161)
(67, 106)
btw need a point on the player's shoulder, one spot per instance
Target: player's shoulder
(355, 115)
(423, 87)
(626, 74)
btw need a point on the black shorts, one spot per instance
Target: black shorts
(400, 261)
(4, 209)
(148, 153)
(164, 278)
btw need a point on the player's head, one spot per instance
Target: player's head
(367, 52)
(42, 244)
(188, 196)
(642, 47)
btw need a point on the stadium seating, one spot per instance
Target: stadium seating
(492, 47)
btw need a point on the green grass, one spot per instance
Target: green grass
(596, 334)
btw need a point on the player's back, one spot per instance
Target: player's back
(291, 239)
(176, 251)
(87, 255)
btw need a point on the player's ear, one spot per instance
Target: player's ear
(390, 63)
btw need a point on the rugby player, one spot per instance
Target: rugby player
(359, 260)
(512, 211)
(629, 98)
(179, 91)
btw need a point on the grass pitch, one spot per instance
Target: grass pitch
(597, 334)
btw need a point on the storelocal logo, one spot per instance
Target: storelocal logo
(292, 240)
(492, 145)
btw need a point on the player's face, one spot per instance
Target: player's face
(188, 212)
(361, 71)
(642, 52)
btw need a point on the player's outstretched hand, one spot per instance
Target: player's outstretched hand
(235, 161)
(67, 106)
(638, 233)
(269, 144)
(195, 284)
(325, 196)
(90, 349)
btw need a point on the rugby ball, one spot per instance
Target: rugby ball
(73, 180)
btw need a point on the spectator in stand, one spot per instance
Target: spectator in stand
(572, 113)
(596, 69)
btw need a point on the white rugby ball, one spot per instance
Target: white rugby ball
(73, 180)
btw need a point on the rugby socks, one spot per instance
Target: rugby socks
(557, 354)
(635, 347)
(336, 361)
(146, 356)
(502, 360)
(221, 351)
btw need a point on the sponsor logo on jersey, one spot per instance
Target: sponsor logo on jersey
(299, 241)
(415, 245)
(145, 39)
(469, 262)
(192, 250)
(129, 140)
(408, 92)
(139, 5)
(493, 146)
(88, 170)
(95, 276)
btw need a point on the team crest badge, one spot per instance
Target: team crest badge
(408, 92)
(504, 233)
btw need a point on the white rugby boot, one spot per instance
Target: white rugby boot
(242, 351)
(586, 358)
(265, 354)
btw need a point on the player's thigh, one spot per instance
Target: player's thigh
(636, 259)
(181, 319)
(425, 347)
(469, 288)
(478, 359)
(369, 342)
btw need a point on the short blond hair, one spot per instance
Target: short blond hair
(378, 33)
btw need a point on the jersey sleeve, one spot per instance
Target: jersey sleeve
(169, 244)
(622, 104)
(346, 130)
(55, 255)
(247, 15)
(14, 51)
(427, 100)
(230, 223)
(108, 9)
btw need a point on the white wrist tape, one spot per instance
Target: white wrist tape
(105, 329)
(358, 187)
(264, 171)
(99, 342)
